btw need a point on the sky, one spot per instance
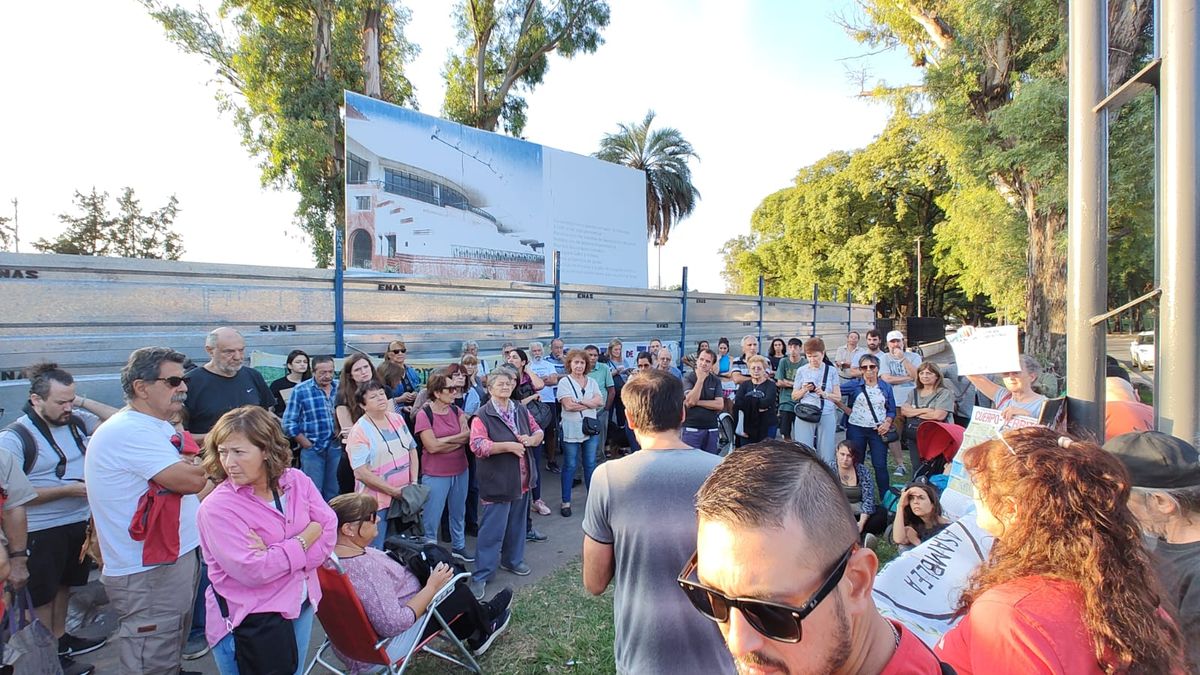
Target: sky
(760, 88)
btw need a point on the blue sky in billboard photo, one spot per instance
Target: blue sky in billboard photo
(760, 88)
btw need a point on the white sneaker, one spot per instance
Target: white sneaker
(899, 470)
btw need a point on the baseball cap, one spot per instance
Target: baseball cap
(1156, 460)
(894, 335)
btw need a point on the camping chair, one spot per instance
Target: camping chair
(346, 626)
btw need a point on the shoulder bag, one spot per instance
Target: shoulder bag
(809, 412)
(591, 425)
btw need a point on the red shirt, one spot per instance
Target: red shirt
(912, 657)
(1028, 625)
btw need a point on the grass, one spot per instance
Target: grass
(556, 627)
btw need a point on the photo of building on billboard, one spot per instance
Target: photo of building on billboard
(430, 197)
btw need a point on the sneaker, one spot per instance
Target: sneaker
(565, 511)
(899, 470)
(499, 603)
(498, 628)
(69, 645)
(478, 588)
(534, 535)
(461, 555)
(520, 569)
(197, 646)
(541, 508)
(870, 541)
(72, 667)
(553, 467)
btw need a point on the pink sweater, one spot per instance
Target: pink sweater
(276, 580)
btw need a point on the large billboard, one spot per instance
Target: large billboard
(430, 197)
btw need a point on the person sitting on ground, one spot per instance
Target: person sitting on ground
(1067, 586)
(918, 516)
(859, 488)
(757, 400)
(393, 598)
(1165, 498)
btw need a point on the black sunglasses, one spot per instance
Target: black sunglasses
(173, 381)
(773, 620)
(868, 367)
(399, 351)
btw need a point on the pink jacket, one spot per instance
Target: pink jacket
(274, 580)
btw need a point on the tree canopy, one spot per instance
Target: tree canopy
(129, 233)
(663, 155)
(283, 72)
(505, 46)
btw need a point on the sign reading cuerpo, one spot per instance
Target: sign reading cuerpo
(430, 197)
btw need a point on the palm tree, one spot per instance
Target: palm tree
(663, 155)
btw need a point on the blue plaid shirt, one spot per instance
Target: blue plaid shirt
(310, 412)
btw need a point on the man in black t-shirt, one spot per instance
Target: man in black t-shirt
(223, 383)
(704, 400)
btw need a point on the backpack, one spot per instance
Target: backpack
(458, 413)
(420, 556)
(29, 444)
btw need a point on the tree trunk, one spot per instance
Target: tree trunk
(370, 38)
(1045, 291)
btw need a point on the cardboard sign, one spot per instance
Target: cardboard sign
(986, 351)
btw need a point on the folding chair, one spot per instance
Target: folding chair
(347, 627)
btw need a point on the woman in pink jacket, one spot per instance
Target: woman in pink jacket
(264, 531)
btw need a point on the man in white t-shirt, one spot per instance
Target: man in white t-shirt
(135, 446)
(897, 367)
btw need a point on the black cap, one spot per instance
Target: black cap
(1156, 460)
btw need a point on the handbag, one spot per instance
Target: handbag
(29, 646)
(542, 413)
(891, 435)
(808, 412)
(264, 643)
(591, 425)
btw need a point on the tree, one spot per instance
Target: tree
(505, 47)
(7, 233)
(281, 77)
(663, 156)
(129, 234)
(849, 222)
(995, 75)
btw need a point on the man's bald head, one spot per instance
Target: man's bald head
(226, 350)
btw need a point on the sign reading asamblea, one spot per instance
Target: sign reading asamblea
(430, 197)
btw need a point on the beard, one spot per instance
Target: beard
(836, 658)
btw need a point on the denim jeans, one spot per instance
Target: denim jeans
(570, 458)
(321, 465)
(381, 529)
(869, 439)
(501, 537)
(226, 658)
(446, 493)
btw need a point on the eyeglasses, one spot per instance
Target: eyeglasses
(398, 351)
(868, 367)
(773, 620)
(452, 390)
(173, 381)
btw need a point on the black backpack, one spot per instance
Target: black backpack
(29, 443)
(420, 556)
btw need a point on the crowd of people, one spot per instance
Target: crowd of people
(212, 499)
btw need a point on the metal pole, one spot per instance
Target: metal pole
(1087, 225)
(339, 319)
(816, 289)
(849, 311)
(919, 276)
(683, 315)
(557, 293)
(1178, 405)
(760, 310)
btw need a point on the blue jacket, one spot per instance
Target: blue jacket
(853, 388)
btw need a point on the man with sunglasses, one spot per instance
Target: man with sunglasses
(137, 445)
(779, 569)
(656, 630)
(49, 441)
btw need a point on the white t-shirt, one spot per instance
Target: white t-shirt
(871, 398)
(543, 369)
(124, 453)
(572, 422)
(892, 366)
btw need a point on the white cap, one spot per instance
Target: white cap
(895, 335)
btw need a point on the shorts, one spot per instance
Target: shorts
(54, 561)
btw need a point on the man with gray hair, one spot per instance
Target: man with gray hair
(136, 449)
(224, 383)
(776, 552)
(741, 365)
(1165, 499)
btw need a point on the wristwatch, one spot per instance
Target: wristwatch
(19, 554)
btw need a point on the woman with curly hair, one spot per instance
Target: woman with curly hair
(1068, 587)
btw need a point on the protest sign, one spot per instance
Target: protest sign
(986, 351)
(921, 587)
(986, 424)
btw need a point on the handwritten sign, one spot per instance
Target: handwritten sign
(986, 351)
(986, 424)
(921, 587)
